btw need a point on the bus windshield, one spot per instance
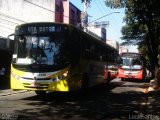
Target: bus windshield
(130, 63)
(40, 49)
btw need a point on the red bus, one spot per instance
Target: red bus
(133, 66)
(113, 70)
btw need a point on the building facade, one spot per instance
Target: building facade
(99, 33)
(113, 43)
(15, 12)
(72, 15)
(123, 49)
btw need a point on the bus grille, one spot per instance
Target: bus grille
(36, 78)
(36, 85)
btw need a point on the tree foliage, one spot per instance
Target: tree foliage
(115, 3)
(86, 1)
(142, 27)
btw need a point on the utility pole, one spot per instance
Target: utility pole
(84, 18)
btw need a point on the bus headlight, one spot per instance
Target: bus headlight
(60, 77)
(64, 75)
(15, 76)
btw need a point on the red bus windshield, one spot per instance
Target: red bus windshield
(130, 63)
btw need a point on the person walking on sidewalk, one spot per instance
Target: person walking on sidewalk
(2, 76)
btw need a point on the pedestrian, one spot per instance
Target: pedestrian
(2, 71)
(2, 76)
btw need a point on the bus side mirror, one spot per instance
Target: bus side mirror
(120, 65)
(10, 41)
(119, 60)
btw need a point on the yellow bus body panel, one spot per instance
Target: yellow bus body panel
(17, 83)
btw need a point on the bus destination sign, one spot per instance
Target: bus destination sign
(38, 29)
(131, 54)
(32, 29)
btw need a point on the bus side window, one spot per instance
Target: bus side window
(104, 54)
(92, 51)
(74, 47)
(97, 51)
(108, 56)
(85, 47)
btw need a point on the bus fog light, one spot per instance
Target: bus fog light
(65, 74)
(60, 77)
(55, 79)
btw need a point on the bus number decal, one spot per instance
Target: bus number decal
(42, 74)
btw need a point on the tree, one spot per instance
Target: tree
(115, 3)
(142, 26)
(86, 1)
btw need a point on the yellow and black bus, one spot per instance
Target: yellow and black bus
(58, 57)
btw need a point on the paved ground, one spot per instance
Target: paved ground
(121, 100)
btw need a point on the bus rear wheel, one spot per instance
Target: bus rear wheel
(40, 93)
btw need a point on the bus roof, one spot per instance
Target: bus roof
(63, 24)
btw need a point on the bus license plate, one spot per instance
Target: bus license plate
(130, 75)
(35, 84)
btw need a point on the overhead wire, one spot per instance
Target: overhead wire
(43, 7)
(103, 6)
(5, 15)
(39, 6)
(4, 26)
(8, 21)
(4, 31)
(102, 9)
(99, 8)
(112, 16)
(102, 17)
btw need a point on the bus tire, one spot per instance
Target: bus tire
(40, 93)
(85, 81)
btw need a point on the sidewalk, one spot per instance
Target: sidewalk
(5, 90)
(10, 92)
(4, 86)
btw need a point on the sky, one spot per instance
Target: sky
(97, 10)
